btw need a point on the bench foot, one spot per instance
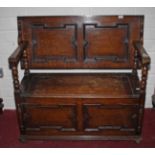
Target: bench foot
(138, 140)
(1, 106)
(153, 101)
(22, 139)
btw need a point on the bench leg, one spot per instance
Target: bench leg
(22, 139)
(1, 105)
(153, 100)
(138, 140)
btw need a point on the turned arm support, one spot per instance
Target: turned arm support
(144, 59)
(142, 54)
(13, 62)
(16, 55)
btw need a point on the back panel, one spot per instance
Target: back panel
(76, 42)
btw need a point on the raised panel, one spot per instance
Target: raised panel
(54, 43)
(106, 43)
(100, 117)
(56, 117)
(79, 42)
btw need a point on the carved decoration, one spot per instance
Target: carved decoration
(142, 91)
(144, 78)
(15, 79)
(105, 57)
(134, 71)
(71, 44)
(26, 64)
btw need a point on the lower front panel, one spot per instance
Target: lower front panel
(49, 119)
(60, 120)
(110, 119)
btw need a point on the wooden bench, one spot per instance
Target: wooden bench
(80, 106)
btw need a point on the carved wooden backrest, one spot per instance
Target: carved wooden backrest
(76, 42)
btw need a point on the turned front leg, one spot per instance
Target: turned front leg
(142, 97)
(15, 79)
(144, 79)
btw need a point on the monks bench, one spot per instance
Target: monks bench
(104, 100)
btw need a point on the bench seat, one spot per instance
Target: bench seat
(101, 85)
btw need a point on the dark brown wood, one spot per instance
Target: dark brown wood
(80, 106)
(144, 57)
(108, 85)
(16, 55)
(86, 42)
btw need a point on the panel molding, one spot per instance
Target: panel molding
(46, 59)
(110, 57)
(27, 117)
(87, 118)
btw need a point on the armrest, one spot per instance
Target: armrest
(144, 57)
(16, 55)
